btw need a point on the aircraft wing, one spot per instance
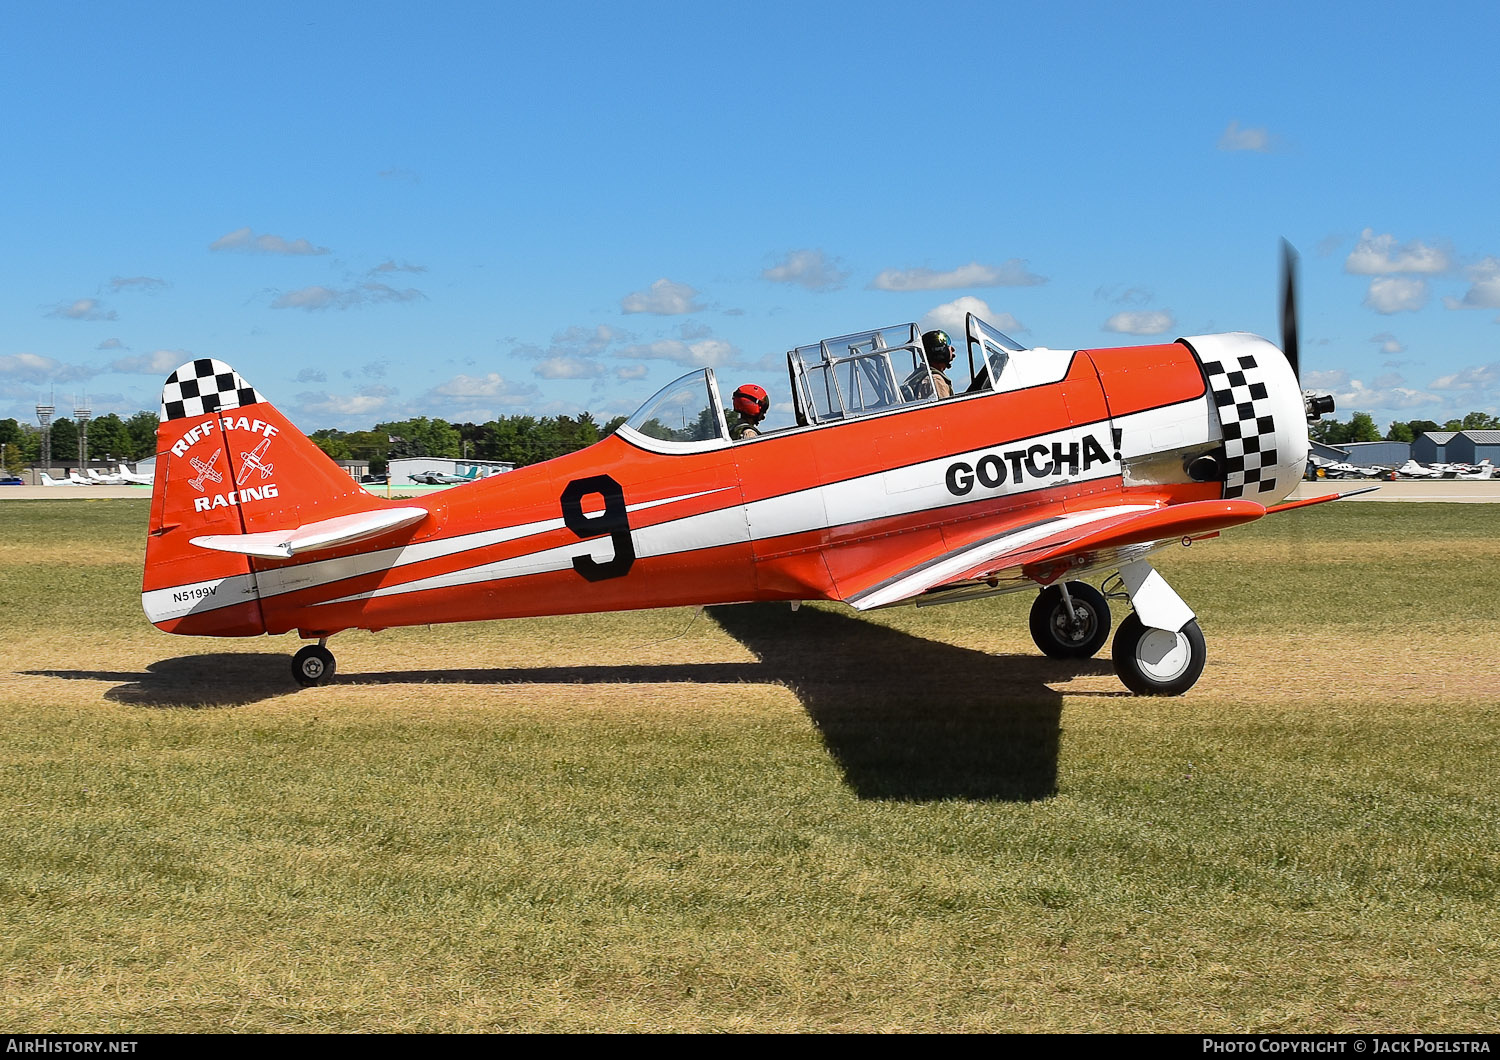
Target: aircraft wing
(311, 537)
(1041, 542)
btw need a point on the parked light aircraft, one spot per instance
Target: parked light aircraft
(1051, 464)
(1412, 469)
(438, 478)
(48, 480)
(133, 478)
(106, 479)
(1481, 470)
(1344, 469)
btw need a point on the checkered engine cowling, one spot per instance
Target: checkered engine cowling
(1239, 387)
(204, 386)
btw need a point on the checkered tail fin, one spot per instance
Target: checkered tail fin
(229, 462)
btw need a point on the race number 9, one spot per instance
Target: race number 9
(614, 521)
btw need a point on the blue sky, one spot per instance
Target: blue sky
(467, 210)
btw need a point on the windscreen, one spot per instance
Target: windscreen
(682, 411)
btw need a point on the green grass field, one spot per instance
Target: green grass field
(754, 819)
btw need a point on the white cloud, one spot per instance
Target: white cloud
(491, 388)
(631, 371)
(111, 344)
(312, 375)
(318, 297)
(1396, 294)
(591, 340)
(1380, 256)
(1388, 392)
(391, 266)
(1480, 378)
(344, 408)
(1144, 322)
(950, 316)
(34, 368)
(83, 309)
(1484, 292)
(244, 241)
(149, 284)
(564, 366)
(1124, 296)
(1388, 343)
(1010, 274)
(1235, 138)
(808, 268)
(664, 298)
(159, 362)
(711, 352)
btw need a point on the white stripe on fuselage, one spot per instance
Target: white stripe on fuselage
(278, 581)
(1006, 470)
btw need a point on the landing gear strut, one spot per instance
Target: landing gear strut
(314, 664)
(1070, 621)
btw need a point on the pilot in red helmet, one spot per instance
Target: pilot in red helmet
(752, 404)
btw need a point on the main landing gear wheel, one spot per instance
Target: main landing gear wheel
(1153, 662)
(313, 665)
(1064, 634)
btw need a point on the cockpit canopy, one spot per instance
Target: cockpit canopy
(874, 371)
(855, 375)
(843, 378)
(686, 411)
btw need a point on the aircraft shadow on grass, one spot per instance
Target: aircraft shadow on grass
(905, 718)
(908, 718)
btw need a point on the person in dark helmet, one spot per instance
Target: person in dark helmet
(751, 403)
(939, 352)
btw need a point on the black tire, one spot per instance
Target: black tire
(313, 665)
(1061, 638)
(1153, 662)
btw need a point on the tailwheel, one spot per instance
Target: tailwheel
(313, 665)
(1154, 662)
(1070, 621)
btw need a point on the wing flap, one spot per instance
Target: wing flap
(1037, 545)
(314, 537)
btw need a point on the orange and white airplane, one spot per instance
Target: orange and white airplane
(1052, 464)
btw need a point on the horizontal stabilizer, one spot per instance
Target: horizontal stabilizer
(324, 534)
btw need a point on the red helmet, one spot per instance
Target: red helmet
(751, 400)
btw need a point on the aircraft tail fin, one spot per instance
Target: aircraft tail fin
(229, 464)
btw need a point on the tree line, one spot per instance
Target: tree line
(110, 437)
(520, 440)
(1361, 428)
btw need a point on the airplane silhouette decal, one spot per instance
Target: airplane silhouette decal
(253, 461)
(205, 470)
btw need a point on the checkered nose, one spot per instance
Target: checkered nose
(1260, 415)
